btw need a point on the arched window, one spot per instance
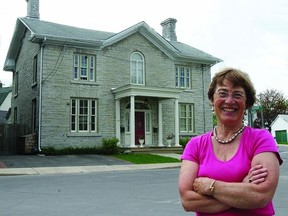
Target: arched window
(137, 75)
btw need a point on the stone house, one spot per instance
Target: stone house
(74, 86)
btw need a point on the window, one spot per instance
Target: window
(34, 111)
(127, 121)
(137, 69)
(15, 115)
(35, 69)
(84, 67)
(16, 83)
(83, 115)
(148, 122)
(186, 118)
(182, 77)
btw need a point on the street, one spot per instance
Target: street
(148, 192)
(121, 193)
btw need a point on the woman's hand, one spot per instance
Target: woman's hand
(256, 175)
(202, 185)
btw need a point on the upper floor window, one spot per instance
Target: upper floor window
(35, 68)
(137, 75)
(16, 83)
(182, 77)
(84, 67)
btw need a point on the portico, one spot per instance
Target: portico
(138, 115)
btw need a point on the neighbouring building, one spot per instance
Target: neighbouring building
(279, 128)
(75, 86)
(5, 103)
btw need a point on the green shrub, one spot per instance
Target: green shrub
(49, 150)
(110, 146)
(183, 141)
(70, 150)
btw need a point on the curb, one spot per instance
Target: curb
(84, 169)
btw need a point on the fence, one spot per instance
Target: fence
(10, 138)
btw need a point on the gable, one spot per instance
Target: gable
(281, 122)
(4, 92)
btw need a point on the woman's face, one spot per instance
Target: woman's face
(229, 103)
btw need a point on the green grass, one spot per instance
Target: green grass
(146, 158)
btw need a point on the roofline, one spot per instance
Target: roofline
(139, 90)
(149, 33)
(40, 38)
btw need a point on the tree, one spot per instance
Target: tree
(272, 103)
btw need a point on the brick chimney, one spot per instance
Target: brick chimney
(33, 9)
(168, 29)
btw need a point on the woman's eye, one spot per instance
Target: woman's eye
(237, 96)
(222, 94)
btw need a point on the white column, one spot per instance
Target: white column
(132, 121)
(118, 132)
(160, 124)
(176, 123)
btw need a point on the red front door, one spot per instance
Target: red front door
(139, 126)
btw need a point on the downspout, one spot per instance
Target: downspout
(203, 92)
(40, 95)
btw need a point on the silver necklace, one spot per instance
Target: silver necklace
(230, 139)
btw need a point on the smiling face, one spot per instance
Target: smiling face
(229, 103)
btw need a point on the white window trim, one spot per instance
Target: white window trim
(89, 116)
(187, 77)
(90, 67)
(192, 118)
(137, 70)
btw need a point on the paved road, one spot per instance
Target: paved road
(117, 193)
(120, 193)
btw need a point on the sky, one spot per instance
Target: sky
(251, 35)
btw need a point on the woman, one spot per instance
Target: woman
(233, 169)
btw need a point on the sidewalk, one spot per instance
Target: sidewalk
(40, 164)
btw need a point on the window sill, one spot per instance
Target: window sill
(84, 82)
(189, 90)
(83, 134)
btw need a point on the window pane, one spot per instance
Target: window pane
(147, 121)
(187, 77)
(183, 111)
(186, 118)
(140, 73)
(73, 115)
(91, 68)
(93, 115)
(84, 67)
(176, 77)
(127, 121)
(190, 124)
(183, 125)
(93, 120)
(83, 123)
(137, 69)
(182, 77)
(83, 115)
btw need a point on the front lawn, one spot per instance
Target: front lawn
(146, 158)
